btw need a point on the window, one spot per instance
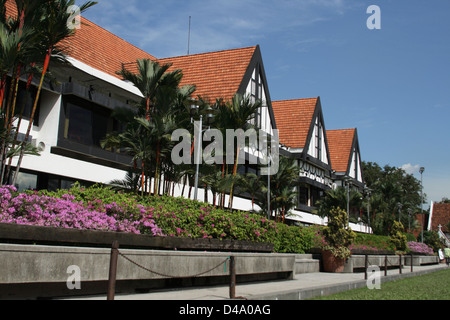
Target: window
(24, 101)
(319, 137)
(79, 124)
(303, 195)
(26, 181)
(256, 93)
(87, 123)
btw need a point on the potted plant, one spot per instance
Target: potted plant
(338, 237)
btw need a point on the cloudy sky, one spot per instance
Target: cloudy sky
(393, 84)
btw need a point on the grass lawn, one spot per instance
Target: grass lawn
(435, 286)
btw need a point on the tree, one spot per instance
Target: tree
(148, 128)
(236, 115)
(48, 19)
(151, 78)
(251, 184)
(337, 198)
(394, 193)
(283, 195)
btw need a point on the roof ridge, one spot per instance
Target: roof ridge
(341, 130)
(210, 52)
(292, 100)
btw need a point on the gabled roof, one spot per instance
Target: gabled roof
(294, 119)
(215, 74)
(340, 143)
(441, 216)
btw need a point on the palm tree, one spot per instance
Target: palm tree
(134, 142)
(49, 21)
(283, 194)
(283, 186)
(148, 129)
(251, 184)
(150, 79)
(337, 198)
(236, 115)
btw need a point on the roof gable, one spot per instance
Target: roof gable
(341, 144)
(217, 74)
(441, 216)
(294, 119)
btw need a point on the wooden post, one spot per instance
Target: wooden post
(400, 264)
(385, 266)
(232, 278)
(113, 270)
(412, 269)
(366, 266)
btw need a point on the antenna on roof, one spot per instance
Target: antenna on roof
(189, 35)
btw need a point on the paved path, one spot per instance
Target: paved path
(304, 286)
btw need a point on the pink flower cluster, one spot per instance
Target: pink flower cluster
(420, 248)
(37, 210)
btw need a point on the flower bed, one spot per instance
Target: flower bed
(420, 248)
(101, 209)
(65, 212)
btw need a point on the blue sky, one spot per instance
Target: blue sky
(393, 84)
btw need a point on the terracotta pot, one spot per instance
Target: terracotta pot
(331, 263)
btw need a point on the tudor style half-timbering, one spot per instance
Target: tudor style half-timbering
(346, 157)
(223, 74)
(303, 136)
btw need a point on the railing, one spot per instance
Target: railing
(443, 236)
(115, 254)
(387, 264)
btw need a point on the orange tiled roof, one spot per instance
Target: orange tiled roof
(96, 47)
(101, 49)
(441, 216)
(215, 74)
(340, 144)
(294, 118)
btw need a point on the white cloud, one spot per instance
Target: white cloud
(411, 169)
(161, 27)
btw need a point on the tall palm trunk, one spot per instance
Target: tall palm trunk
(33, 112)
(156, 187)
(2, 90)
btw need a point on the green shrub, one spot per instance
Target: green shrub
(397, 238)
(372, 242)
(291, 239)
(338, 236)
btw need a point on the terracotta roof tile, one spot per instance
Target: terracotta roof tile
(101, 49)
(294, 118)
(340, 144)
(215, 74)
(441, 216)
(96, 47)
